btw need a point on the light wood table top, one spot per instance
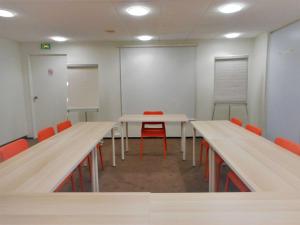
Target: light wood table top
(261, 164)
(44, 166)
(150, 209)
(154, 118)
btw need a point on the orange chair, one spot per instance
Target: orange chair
(231, 176)
(63, 125)
(288, 145)
(45, 134)
(236, 121)
(67, 124)
(153, 132)
(254, 129)
(10, 150)
(218, 160)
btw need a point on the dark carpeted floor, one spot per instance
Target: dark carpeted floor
(152, 173)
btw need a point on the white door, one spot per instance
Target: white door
(49, 90)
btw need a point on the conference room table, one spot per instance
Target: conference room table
(150, 209)
(260, 164)
(44, 166)
(166, 118)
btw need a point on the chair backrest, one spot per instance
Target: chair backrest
(254, 129)
(236, 121)
(63, 125)
(45, 133)
(149, 113)
(288, 144)
(12, 149)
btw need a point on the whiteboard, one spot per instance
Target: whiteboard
(231, 80)
(82, 88)
(283, 84)
(158, 78)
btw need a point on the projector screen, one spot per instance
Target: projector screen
(158, 78)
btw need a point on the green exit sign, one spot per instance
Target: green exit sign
(45, 46)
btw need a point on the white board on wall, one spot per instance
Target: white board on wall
(83, 92)
(283, 82)
(158, 78)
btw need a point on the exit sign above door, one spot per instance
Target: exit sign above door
(45, 45)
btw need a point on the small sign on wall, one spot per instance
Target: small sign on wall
(45, 45)
(50, 72)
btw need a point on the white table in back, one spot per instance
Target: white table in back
(166, 118)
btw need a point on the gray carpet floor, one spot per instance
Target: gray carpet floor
(152, 173)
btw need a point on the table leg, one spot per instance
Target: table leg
(194, 146)
(183, 144)
(95, 179)
(126, 136)
(212, 170)
(122, 141)
(113, 147)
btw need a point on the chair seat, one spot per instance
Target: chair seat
(153, 132)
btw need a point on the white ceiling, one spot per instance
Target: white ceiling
(87, 20)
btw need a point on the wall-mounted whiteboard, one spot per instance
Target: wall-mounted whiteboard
(158, 78)
(83, 92)
(283, 84)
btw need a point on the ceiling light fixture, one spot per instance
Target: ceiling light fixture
(6, 13)
(231, 8)
(59, 38)
(145, 38)
(138, 10)
(232, 35)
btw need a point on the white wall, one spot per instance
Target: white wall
(107, 56)
(12, 113)
(257, 81)
(283, 84)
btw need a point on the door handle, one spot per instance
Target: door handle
(35, 98)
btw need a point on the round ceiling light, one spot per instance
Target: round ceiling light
(6, 13)
(145, 38)
(232, 35)
(231, 8)
(59, 38)
(138, 10)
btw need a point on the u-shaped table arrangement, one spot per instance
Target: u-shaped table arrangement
(28, 180)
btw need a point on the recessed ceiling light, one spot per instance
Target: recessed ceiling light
(138, 10)
(145, 38)
(232, 35)
(59, 38)
(231, 8)
(6, 13)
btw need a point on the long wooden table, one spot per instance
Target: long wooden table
(44, 166)
(150, 209)
(167, 118)
(260, 164)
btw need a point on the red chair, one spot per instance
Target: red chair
(153, 132)
(10, 150)
(231, 176)
(236, 121)
(63, 125)
(67, 124)
(218, 160)
(45, 134)
(288, 145)
(254, 129)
